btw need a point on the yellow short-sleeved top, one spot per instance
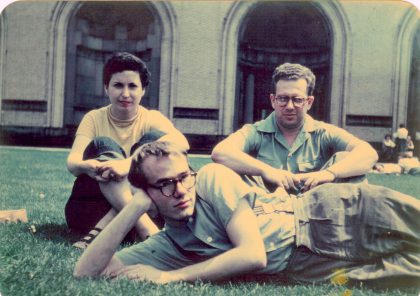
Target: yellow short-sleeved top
(101, 123)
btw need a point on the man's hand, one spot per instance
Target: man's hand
(280, 194)
(142, 199)
(144, 273)
(281, 178)
(314, 179)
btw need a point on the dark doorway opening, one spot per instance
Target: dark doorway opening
(95, 32)
(273, 33)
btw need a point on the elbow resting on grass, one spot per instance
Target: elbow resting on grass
(83, 272)
(79, 274)
(258, 262)
(253, 258)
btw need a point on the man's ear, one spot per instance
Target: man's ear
(153, 210)
(273, 101)
(310, 101)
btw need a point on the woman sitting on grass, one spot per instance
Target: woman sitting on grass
(104, 140)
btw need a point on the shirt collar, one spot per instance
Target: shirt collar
(309, 125)
(269, 125)
(186, 222)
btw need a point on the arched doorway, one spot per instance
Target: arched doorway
(94, 32)
(273, 33)
(413, 110)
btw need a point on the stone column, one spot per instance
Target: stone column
(249, 98)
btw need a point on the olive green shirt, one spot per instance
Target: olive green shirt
(315, 144)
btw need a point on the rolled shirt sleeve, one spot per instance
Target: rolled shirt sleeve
(157, 251)
(222, 188)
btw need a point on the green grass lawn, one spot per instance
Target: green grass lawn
(36, 258)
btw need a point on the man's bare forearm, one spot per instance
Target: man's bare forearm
(359, 161)
(233, 262)
(239, 161)
(247, 255)
(97, 256)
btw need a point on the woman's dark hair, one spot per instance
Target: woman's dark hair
(124, 61)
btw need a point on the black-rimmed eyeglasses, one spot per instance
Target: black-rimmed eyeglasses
(168, 187)
(297, 101)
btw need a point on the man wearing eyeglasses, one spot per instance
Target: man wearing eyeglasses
(290, 149)
(217, 226)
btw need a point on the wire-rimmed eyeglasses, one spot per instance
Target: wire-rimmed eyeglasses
(297, 101)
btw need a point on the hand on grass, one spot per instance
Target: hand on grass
(142, 272)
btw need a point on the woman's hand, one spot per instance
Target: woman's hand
(114, 170)
(105, 171)
(91, 168)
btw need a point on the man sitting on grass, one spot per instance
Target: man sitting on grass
(216, 226)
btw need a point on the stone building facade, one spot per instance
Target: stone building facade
(211, 62)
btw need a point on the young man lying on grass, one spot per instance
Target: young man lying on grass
(217, 227)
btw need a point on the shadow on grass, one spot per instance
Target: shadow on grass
(405, 284)
(56, 233)
(277, 279)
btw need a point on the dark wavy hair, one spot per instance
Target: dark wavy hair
(124, 61)
(290, 71)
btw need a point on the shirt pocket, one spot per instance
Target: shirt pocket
(329, 237)
(305, 166)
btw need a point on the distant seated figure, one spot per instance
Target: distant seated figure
(387, 168)
(387, 150)
(410, 147)
(410, 165)
(401, 140)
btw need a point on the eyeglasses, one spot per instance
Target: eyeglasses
(168, 187)
(297, 101)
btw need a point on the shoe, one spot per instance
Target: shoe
(84, 242)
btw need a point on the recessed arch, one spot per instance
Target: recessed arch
(3, 31)
(271, 34)
(63, 13)
(402, 65)
(413, 110)
(340, 30)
